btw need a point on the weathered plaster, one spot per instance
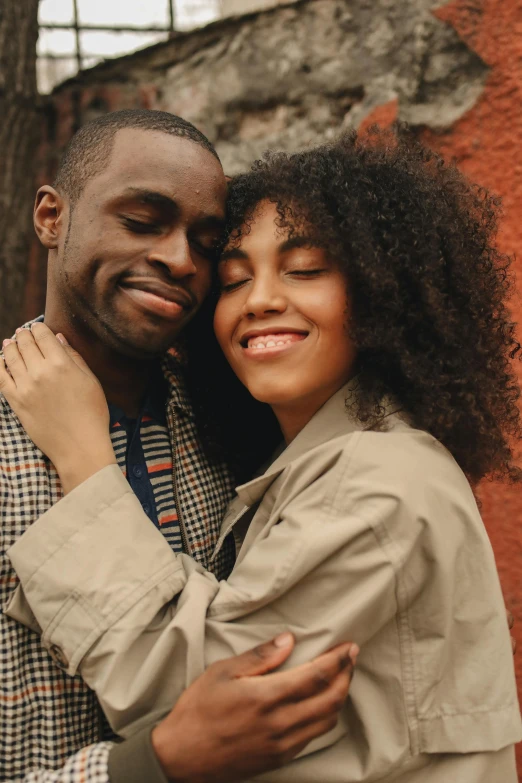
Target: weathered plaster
(293, 76)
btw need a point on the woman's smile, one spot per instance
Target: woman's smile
(264, 345)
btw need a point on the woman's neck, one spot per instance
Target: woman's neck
(294, 415)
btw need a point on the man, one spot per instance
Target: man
(131, 226)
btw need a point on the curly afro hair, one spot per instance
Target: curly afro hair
(428, 289)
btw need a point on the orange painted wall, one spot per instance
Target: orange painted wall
(487, 144)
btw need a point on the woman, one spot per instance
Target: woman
(362, 300)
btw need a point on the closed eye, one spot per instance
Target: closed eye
(140, 226)
(211, 252)
(226, 288)
(306, 272)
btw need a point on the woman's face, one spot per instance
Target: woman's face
(282, 317)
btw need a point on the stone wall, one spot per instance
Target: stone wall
(229, 7)
(290, 76)
(299, 73)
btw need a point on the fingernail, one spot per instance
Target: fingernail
(354, 652)
(61, 338)
(284, 639)
(18, 330)
(7, 342)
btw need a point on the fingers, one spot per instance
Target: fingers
(261, 659)
(299, 724)
(28, 348)
(14, 361)
(7, 385)
(310, 678)
(298, 742)
(47, 342)
(324, 706)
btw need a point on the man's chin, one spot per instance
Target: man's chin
(142, 351)
(142, 347)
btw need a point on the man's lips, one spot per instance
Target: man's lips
(158, 297)
(151, 285)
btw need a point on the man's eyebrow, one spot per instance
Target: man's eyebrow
(151, 198)
(234, 253)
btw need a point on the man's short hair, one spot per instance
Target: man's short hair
(89, 149)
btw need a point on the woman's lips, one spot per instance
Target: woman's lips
(153, 303)
(268, 345)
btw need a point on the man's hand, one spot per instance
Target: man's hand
(233, 723)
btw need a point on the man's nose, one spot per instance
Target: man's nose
(173, 253)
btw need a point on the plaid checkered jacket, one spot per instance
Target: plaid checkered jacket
(51, 727)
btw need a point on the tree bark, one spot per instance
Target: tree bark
(19, 134)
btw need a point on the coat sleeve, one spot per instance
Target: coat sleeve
(89, 765)
(140, 623)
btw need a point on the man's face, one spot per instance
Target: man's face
(134, 261)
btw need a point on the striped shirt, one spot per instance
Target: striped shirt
(144, 453)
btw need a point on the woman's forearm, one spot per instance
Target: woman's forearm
(78, 466)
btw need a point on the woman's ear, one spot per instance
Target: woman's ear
(48, 216)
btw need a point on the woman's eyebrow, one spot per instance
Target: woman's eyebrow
(234, 253)
(295, 242)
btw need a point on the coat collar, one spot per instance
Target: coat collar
(178, 395)
(332, 420)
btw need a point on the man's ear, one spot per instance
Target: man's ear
(49, 216)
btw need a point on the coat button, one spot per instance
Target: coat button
(58, 656)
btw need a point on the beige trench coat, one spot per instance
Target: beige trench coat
(367, 536)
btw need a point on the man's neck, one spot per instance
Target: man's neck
(124, 380)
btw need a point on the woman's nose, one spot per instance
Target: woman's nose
(264, 299)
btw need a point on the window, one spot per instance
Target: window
(77, 34)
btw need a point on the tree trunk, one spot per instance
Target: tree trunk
(19, 134)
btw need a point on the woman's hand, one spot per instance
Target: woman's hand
(59, 402)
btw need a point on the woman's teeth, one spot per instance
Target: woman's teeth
(273, 340)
